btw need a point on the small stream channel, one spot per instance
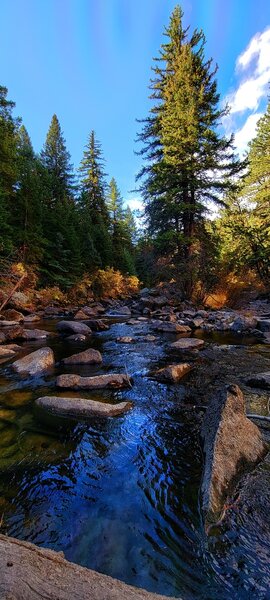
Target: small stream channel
(121, 495)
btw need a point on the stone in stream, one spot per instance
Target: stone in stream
(9, 350)
(2, 337)
(186, 344)
(260, 380)
(125, 339)
(110, 380)
(87, 357)
(232, 445)
(97, 325)
(70, 327)
(121, 311)
(80, 408)
(35, 363)
(35, 334)
(168, 327)
(76, 337)
(81, 315)
(31, 318)
(5, 323)
(173, 373)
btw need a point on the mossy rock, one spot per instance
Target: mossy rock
(8, 436)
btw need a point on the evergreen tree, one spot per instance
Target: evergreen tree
(56, 159)
(122, 229)
(188, 161)
(97, 248)
(8, 170)
(26, 216)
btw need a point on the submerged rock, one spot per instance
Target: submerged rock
(76, 337)
(173, 373)
(232, 445)
(88, 357)
(112, 380)
(73, 327)
(35, 363)
(125, 340)
(187, 344)
(80, 407)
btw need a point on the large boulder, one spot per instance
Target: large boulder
(70, 327)
(35, 363)
(87, 357)
(80, 407)
(186, 344)
(232, 445)
(173, 373)
(110, 380)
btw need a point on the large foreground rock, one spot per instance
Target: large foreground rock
(28, 572)
(232, 445)
(70, 327)
(87, 357)
(80, 407)
(187, 344)
(98, 382)
(173, 373)
(35, 363)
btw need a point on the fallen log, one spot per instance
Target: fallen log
(28, 572)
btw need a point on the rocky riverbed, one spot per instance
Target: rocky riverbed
(119, 489)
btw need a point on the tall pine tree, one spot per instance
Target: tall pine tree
(188, 162)
(96, 243)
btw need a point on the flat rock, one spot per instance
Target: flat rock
(6, 323)
(35, 334)
(232, 446)
(168, 327)
(260, 380)
(73, 327)
(80, 407)
(125, 339)
(35, 363)
(173, 373)
(110, 380)
(87, 357)
(121, 311)
(187, 344)
(31, 318)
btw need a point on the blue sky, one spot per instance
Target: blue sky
(89, 61)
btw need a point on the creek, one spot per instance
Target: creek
(121, 495)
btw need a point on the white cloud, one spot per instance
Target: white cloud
(253, 65)
(246, 133)
(135, 203)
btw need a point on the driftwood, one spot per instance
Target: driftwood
(28, 572)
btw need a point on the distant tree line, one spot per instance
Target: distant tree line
(62, 225)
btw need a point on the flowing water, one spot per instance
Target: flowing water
(121, 495)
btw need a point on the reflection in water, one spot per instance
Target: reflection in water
(121, 495)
